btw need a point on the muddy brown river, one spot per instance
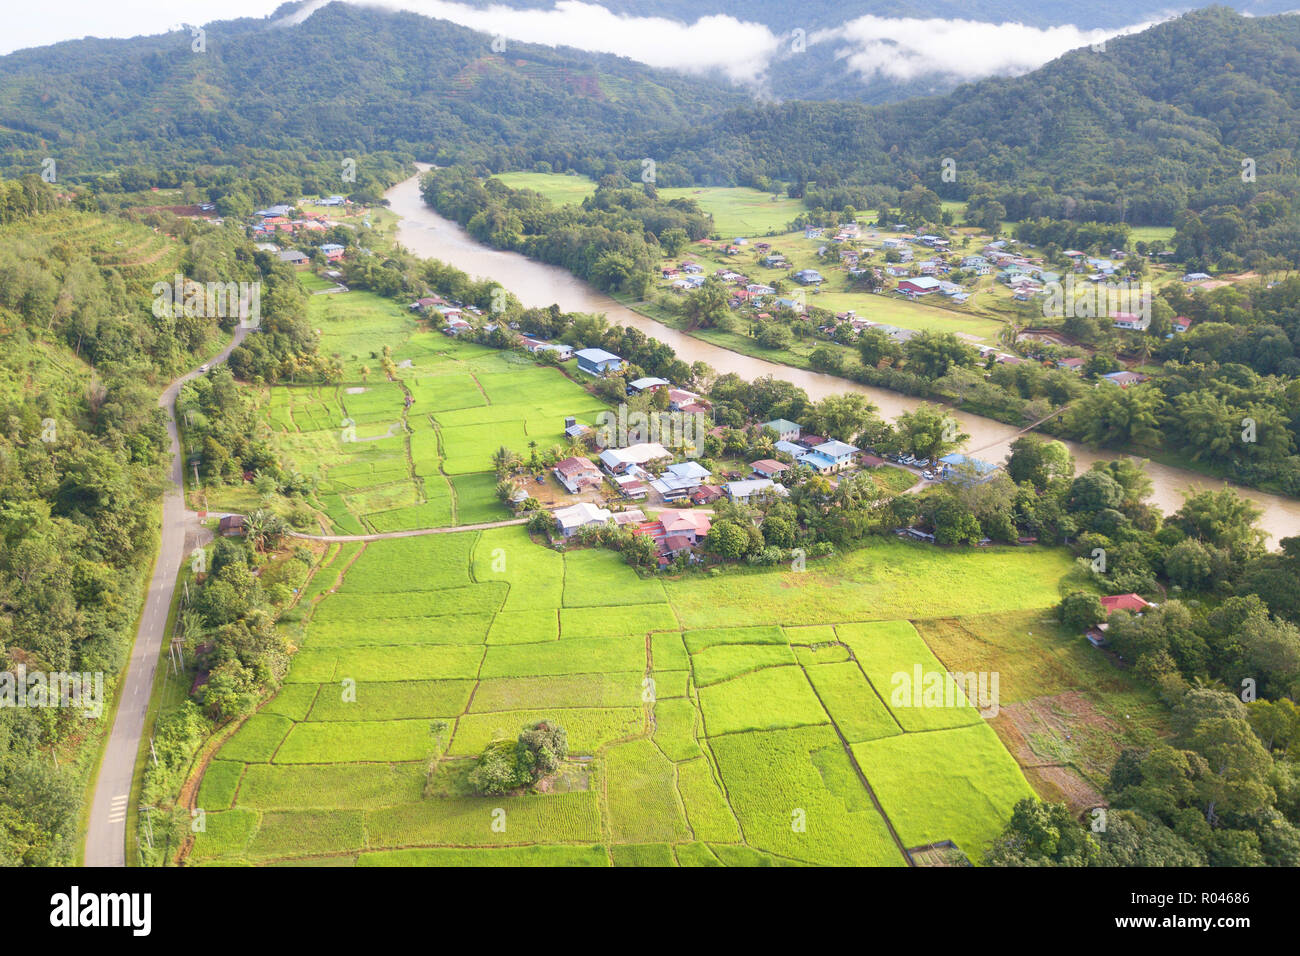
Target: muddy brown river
(425, 233)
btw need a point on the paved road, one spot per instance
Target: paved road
(181, 531)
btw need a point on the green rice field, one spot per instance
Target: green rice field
(382, 465)
(744, 719)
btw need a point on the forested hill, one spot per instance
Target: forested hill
(1160, 115)
(347, 78)
(1152, 124)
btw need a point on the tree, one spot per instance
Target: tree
(1038, 462)
(727, 539)
(708, 307)
(264, 529)
(1189, 565)
(1238, 764)
(507, 765)
(1224, 520)
(933, 354)
(847, 417)
(1042, 833)
(1117, 417)
(1080, 610)
(929, 431)
(673, 241)
(1094, 491)
(874, 346)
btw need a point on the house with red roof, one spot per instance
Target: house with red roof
(578, 474)
(1133, 603)
(691, 525)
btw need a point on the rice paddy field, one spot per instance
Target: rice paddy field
(382, 464)
(738, 719)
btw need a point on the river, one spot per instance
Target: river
(425, 233)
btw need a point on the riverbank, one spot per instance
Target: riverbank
(426, 233)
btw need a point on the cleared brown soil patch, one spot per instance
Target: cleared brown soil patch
(1063, 743)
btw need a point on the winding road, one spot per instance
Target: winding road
(181, 531)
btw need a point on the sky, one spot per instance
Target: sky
(896, 48)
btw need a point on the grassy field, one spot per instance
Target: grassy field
(559, 188)
(739, 719)
(737, 211)
(741, 212)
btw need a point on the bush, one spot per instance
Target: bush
(1080, 610)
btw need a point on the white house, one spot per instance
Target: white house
(742, 491)
(581, 515)
(618, 460)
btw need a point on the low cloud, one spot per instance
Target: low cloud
(906, 49)
(739, 49)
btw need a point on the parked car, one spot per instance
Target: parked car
(927, 475)
(203, 368)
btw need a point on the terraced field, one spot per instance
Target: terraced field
(761, 741)
(383, 465)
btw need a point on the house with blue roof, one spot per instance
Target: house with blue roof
(829, 457)
(958, 467)
(597, 361)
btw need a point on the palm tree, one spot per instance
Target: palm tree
(504, 460)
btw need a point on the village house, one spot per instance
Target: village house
(742, 492)
(633, 484)
(681, 400)
(1133, 603)
(768, 467)
(231, 526)
(691, 525)
(332, 251)
(573, 429)
(808, 277)
(706, 494)
(532, 345)
(678, 481)
(619, 461)
(598, 362)
(965, 471)
(295, 258)
(1130, 321)
(921, 285)
(582, 515)
(427, 303)
(578, 474)
(1123, 379)
(829, 457)
(785, 430)
(647, 384)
